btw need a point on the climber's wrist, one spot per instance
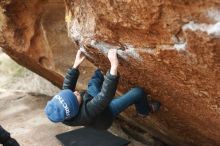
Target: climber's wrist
(75, 66)
(114, 70)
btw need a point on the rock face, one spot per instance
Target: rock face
(34, 34)
(170, 48)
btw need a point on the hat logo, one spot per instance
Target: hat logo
(63, 103)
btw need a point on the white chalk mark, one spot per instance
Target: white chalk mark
(130, 51)
(180, 46)
(210, 29)
(75, 31)
(84, 51)
(214, 14)
(101, 46)
(149, 50)
(83, 29)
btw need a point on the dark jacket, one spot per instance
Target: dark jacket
(93, 111)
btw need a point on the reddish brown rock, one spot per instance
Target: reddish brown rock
(171, 48)
(34, 34)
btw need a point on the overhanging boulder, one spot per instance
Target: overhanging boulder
(171, 48)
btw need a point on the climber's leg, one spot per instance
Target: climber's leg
(135, 96)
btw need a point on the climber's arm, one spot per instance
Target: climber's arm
(72, 74)
(102, 100)
(109, 86)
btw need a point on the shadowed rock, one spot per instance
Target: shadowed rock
(171, 48)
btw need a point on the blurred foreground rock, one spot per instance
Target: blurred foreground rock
(171, 48)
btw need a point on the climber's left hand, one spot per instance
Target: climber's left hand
(79, 59)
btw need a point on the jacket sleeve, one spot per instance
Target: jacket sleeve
(70, 79)
(102, 100)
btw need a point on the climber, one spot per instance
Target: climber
(5, 138)
(95, 107)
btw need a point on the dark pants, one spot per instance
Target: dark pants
(135, 96)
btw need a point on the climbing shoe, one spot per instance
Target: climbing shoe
(154, 106)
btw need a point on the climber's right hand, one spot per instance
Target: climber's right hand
(79, 59)
(112, 56)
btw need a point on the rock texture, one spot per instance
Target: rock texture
(171, 48)
(34, 34)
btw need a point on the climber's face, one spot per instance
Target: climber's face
(77, 94)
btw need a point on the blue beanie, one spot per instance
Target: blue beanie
(63, 106)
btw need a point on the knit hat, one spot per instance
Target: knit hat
(62, 106)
